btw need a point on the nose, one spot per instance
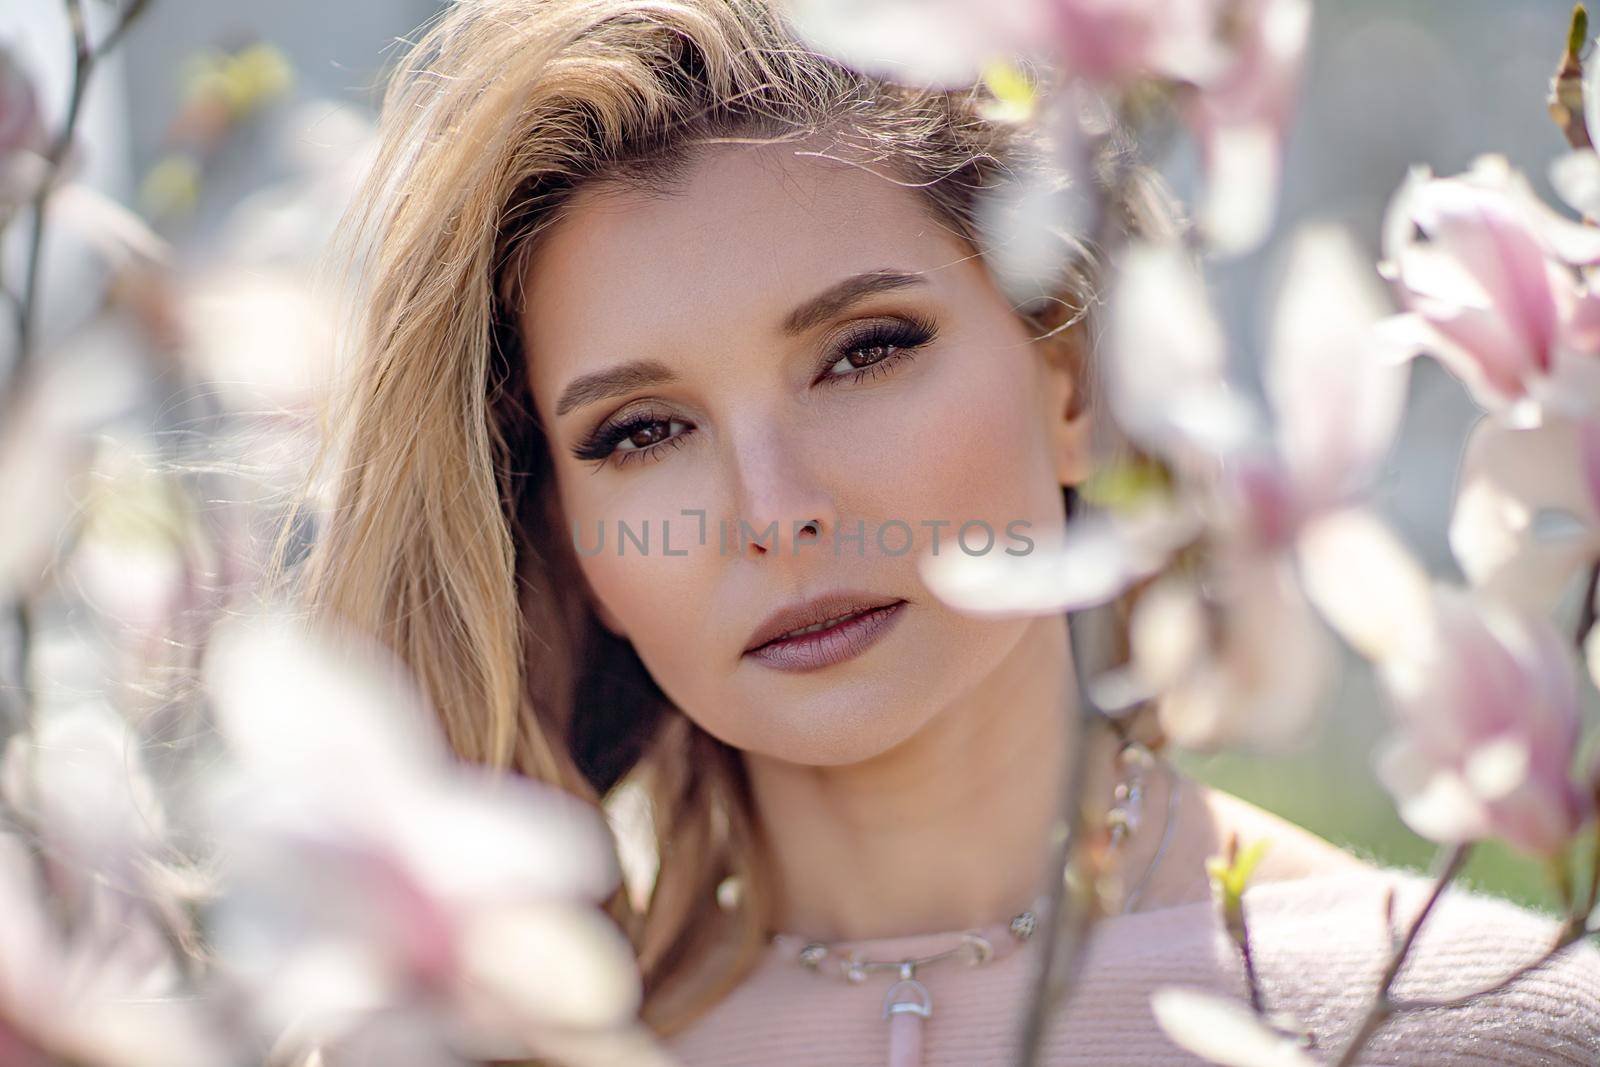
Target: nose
(783, 504)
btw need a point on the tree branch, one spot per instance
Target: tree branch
(84, 58)
(1571, 934)
(1383, 1005)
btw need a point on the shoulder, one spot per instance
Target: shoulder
(1208, 818)
(1321, 944)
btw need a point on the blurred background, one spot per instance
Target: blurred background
(237, 129)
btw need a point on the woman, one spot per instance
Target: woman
(649, 265)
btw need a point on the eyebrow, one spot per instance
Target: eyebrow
(626, 377)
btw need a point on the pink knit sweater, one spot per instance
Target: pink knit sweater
(1320, 944)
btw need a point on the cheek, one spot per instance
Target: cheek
(967, 444)
(654, 579)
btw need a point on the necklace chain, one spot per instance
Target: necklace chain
(1123, 820)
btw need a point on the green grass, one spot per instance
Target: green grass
(1331, 792)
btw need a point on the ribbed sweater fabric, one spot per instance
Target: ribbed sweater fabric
(1320, 944)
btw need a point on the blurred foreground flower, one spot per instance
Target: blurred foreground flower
(1223, 1031)
(382, 900)
(89, 969)
(1235, 67)
(46, 444)
(1224, 641)
(21, 131)
(106, 993)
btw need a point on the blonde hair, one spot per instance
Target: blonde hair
(443, 538)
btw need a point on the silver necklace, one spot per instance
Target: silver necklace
(907, 1003)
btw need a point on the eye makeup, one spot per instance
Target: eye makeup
(868, 349)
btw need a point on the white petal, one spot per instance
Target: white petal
(1223, 1031)
(1167, 375)
(1241, 190)
(1525, 516)
(1260, 682)
(506, 838)
(1591, 660)
(1095, 559)
(1576, 179)
(1336, 400)
(1432, 799)
(29, 952)
(1495, 770)
(566, 966)
(1366, 584)
(922, 42)
(296, 704)
(1026, 228)
(1167, 632)
(1591, 96)
(85, 787)
(119, 234)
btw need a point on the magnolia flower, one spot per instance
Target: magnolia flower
(1232, 652)
(45, 444)
(951, 43)
(77, 780)
(374, 883)
(1527, 510)
(104, 993)
(1487, 274)
(1489, 721)
(1241, 661)
(1236, 65)
(1241, 117)
(1483, 694)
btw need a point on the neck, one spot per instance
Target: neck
(948, 830)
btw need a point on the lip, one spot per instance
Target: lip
(872, 617)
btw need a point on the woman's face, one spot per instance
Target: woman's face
(918, 403)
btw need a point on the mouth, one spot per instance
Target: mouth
(823, 632)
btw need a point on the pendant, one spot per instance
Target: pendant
(906, 1005)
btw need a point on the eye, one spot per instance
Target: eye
(869, 352)
(634, 439)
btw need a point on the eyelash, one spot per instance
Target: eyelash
(903, 336)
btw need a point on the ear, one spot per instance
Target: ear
(1066, 396)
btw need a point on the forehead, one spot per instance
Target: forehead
(747, 232)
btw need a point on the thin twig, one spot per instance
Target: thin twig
(85, 56)
(130, 14)
(1383, 1005)
(1258, 1002)
(1571, 934)
(28, 312)
(1593, 898)
(1061, 938)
